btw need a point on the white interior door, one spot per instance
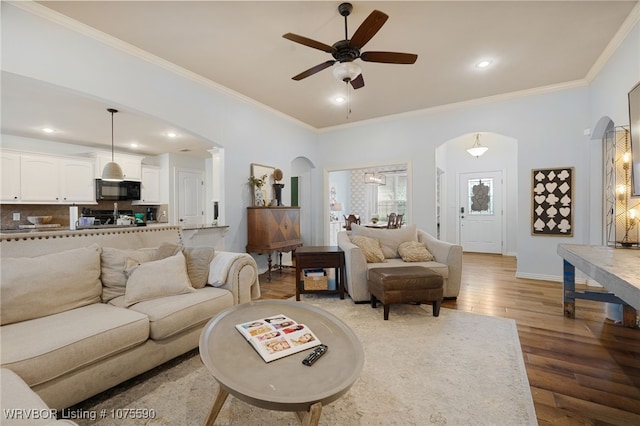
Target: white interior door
(189, 194)
(480, 212)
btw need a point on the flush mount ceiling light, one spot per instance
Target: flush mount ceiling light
(48, 130)
(375, 178)
(483, 63)
(172, 134)
(477, 150)
(112, 172)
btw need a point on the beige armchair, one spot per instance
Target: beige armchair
(447, 262)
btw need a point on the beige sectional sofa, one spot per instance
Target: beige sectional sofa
(82, 311)
(447, 258)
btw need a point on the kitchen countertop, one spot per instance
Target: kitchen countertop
(15, 232)
(196, 227)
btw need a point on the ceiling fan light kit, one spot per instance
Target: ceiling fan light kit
(112, 171)
(346, 71)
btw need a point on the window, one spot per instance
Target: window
(480, 196)
(392, 197)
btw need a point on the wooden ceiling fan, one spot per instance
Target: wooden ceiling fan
(346, 51)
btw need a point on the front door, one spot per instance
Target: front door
(189, 193)
(481, 212)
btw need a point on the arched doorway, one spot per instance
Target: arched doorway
(457, 169)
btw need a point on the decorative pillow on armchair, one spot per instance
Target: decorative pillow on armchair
(414, 251)
(370, 247)
(389, 239)
(158, 278)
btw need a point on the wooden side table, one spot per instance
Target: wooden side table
(311, 257)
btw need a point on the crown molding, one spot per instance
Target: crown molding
(76, 26)
(461, 105)
(614, 43)
(63, 20)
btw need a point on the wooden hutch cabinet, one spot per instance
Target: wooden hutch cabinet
(273, 229)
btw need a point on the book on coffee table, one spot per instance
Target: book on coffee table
(277, 336)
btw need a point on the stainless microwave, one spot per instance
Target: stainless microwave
(117, 191)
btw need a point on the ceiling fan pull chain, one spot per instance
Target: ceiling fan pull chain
(348, 100)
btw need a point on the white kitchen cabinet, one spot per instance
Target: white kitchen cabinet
(39, 180)
(150, 186)
(51, 179)
(131, 164)
(10, 177)
(76, 180)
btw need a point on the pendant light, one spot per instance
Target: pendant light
(112, 172)
(477, 150)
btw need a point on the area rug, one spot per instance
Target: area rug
(456, 369)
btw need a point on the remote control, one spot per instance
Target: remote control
(313, 356)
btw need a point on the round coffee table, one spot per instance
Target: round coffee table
(284, 384)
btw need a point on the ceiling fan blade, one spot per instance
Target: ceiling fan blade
(308, 42)
(313, 70)
(358, 82)
(368, 28)
(389, 57)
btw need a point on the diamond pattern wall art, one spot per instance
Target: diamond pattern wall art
(552, 202)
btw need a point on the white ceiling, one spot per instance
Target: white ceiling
(532, 45)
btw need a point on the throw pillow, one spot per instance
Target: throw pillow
(389, 239)
(157, 278)
(113, 264)
(414, 251)
(370, 247)
(198, 260)
(34, 287)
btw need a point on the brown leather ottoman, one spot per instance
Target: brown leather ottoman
(405, 284)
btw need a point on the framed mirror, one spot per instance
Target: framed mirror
(259, 170)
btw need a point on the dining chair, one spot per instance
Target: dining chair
(391, 221)
(350, 220)
(395, 221)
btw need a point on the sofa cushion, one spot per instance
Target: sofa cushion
(389, 239)
(34, 287)
(154, 279)
(198, 261)
(414, 251)
(113, 264)
(45, 348)
(370, 248)
(173, 314)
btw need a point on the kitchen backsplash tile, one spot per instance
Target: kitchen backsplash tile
(60, 213)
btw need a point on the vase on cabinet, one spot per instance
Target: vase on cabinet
(258, 199)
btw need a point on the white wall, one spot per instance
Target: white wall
(38, 48)
(549, 128)
(608, 98)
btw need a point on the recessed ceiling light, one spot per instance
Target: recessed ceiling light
(172, 134)
(483, 63)
(133, 145)
(48, 130)
(339, 99)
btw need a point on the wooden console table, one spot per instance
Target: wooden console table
(618, 270)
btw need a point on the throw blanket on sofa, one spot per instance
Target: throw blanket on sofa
(220, 266)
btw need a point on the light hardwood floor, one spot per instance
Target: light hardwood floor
(582, 372)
